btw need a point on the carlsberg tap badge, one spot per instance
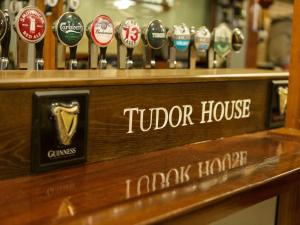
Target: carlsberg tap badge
(69, 29)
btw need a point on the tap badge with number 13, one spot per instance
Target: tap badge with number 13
(31, 24)
(102, 30)
(130, 33)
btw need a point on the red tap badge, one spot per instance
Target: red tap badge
(102, 30)
(31, 24)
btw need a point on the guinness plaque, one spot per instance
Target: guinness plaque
(59, 127)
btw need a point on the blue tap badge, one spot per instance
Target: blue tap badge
(181, 37)
(202, 39)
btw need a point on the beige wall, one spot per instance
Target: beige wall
(192, 12)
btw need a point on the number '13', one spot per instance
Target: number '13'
(132, 33)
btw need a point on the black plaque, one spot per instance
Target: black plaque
(48, 151)
(276, 119)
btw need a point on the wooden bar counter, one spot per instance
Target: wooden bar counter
(115, 97)
(196, 168)
(169, 186)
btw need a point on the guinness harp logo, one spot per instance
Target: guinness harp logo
(66, 118)
(283, 93)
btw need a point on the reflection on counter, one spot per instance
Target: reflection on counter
(174, 176)
(196, 168)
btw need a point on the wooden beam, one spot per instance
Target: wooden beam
(251, 52)
(49, 45)
(293, 111)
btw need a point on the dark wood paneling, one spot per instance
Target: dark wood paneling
(289, 206)
(107, 138)
(108, 126)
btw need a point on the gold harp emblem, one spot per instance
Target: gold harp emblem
(66, 118)
(283, 93)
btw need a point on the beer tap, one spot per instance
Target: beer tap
(179, 40)
(154, 37)
(5, 34)
(128, 36)
(200, 44)
(69, 31)
(31, 27)
(238, 40)
(49, 4)
(221, 47)
(100, 33)
(72, 5)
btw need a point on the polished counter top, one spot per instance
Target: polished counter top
(154, 186)
(78, 78)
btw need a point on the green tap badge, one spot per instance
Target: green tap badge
(69, 29)
(222, 40)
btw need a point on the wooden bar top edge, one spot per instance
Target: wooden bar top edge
(82, 78)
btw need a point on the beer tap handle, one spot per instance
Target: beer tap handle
(68, 35)
(172, 57)
(149, 61)
(73, 5)
(129, 36)
(152, 61)
(179, 39)
(102, 58)
(154, 37)
(121, 55)
(49, 4)
(5, 42)
(192, 54)
(73, 61)
(39, 61)
(129, 61)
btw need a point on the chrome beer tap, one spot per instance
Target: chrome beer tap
(69, 31)
(49, 5)
(238, 40)
(154, 37)
(200, 44)
(225, 41)
(179, 40)
(5, 34)
(128, 36)
(72, 5)
(31, 26)
(100, 33)
(221, 47)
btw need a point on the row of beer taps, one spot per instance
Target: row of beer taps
(211, 49)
